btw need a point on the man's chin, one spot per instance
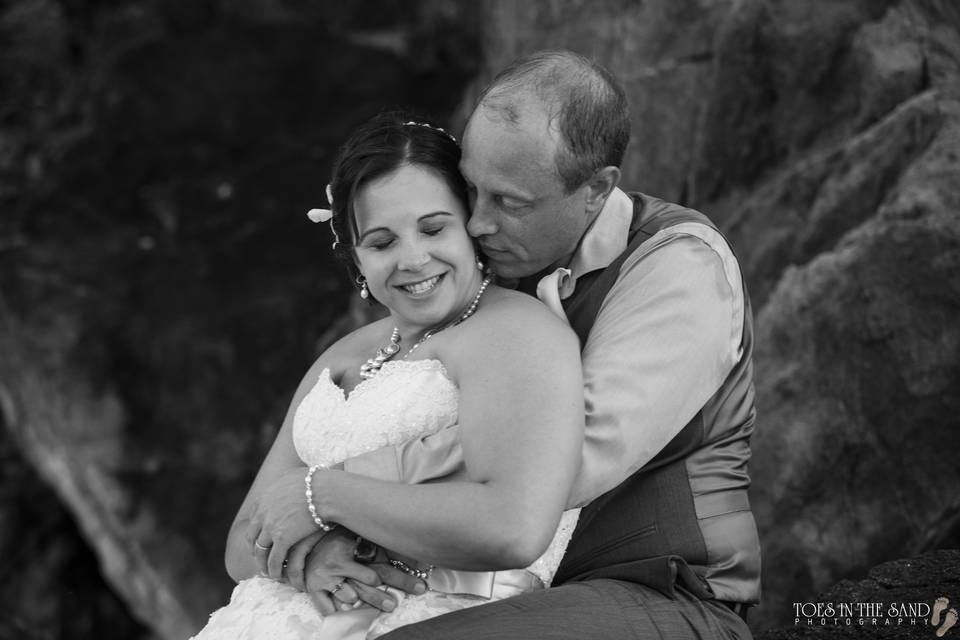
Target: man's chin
(509, 271)
(515, 270)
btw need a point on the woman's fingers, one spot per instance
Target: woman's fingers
(261, 553)
(276, 557)
(254, 525)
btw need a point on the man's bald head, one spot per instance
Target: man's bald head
(584, 104)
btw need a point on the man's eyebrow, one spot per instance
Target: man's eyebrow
(515, 192)
(511, 192)
(426, 216)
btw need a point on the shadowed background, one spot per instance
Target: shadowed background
(161, 291)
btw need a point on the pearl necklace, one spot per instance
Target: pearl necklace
(370, 368)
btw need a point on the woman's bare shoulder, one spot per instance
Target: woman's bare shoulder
(520, 311)
(512, 339)
(510, 323)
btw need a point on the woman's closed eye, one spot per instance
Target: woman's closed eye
(432, 229)
(378, 242)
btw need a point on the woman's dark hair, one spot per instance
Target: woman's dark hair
(378, 147)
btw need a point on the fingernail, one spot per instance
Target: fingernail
(345, 607)
(388, 605)
(419, 588)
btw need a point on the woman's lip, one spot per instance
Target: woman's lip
(416, 282)
(422, 295)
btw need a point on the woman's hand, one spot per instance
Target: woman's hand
(280, 520)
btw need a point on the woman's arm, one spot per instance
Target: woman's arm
(281, 460)
(521, 419)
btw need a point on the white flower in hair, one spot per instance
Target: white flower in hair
(319, 215)
(323, 215)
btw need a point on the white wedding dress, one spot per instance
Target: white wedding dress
(405, 400)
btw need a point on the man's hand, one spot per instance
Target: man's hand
(393, 577)
(331, 565)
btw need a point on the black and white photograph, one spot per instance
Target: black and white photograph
(479, 319)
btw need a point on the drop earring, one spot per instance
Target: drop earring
(480, 264)
(364, 291)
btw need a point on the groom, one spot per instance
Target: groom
(666, 545)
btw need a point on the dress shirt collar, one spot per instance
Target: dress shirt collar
(605, 239)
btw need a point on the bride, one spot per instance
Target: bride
(456, 348)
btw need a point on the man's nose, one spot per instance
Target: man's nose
(413, 256)
(481, 222)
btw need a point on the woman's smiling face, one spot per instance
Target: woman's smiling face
(413, 248)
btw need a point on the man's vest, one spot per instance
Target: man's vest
(684, 518)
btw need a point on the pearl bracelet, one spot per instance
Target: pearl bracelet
(423, 574)
(308, 481)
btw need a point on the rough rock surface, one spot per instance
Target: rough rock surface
(824, 138)
(161, 291)
(158, 300)
(914, 582)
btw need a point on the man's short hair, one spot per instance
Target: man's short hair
(584, 101)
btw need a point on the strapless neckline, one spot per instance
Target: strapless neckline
(406, 399)
(388, 367)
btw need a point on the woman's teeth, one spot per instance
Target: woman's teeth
(422, 287)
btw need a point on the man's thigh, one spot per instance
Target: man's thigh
(594, 609)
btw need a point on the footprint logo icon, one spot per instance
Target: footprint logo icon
(939, 605)
(948, 621)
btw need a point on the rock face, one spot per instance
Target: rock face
(161, 291)
(824, 138)
(158, 300)
(909, 587)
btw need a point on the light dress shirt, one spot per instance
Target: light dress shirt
(666, 337)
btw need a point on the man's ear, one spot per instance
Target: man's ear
(600, 186)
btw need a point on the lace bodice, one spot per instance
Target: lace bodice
(407, 399)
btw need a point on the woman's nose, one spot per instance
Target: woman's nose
(413, 257)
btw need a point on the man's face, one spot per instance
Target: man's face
(520, 212)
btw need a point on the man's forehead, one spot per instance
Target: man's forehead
(491, 138)
(519, 113)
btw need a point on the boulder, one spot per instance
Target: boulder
(858, 389)
(895, 600)
(823, 138)
(159, 299)
(161, 290)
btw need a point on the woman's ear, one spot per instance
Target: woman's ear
(599, 187)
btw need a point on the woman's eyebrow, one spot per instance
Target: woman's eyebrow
(369, 231)
(433, 214)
